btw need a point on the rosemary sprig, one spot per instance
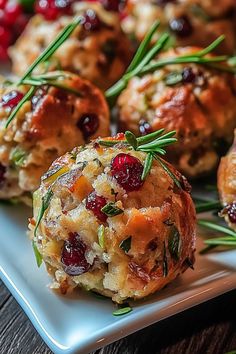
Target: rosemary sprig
(143, 62)
(229, 240)
(44, 206)
(152, 144)
(208, 206)
(43, 80)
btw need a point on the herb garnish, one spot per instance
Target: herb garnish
(153, 144)
(230, 235)
(101, 236)
(125, 245)
(122, 311)
(44, 79)
(143, 61)
(38, 256)
(110, 209)
(165, 261)
(44, 206)
(18, 157)
(174, 243)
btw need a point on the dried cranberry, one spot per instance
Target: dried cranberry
(188, 75)
(73, 255)
(112, 5)
(181, 26)
(231, 211)
(127, 170)
(90, 21)
(88, 124)
(11, 99)
(2, 4)
(164, 2)
(2, 174)
(52, 9)
(144, 127)
(3, 53)
(5, 36)
(95, 203)
(11, 12)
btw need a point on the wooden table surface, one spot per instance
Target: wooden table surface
(209, 328)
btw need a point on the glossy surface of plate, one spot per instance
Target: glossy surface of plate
(83, 323)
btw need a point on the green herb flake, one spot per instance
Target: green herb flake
(101, 236)
(147, 166)
(18, 157)
(122, 311)
(125, 245)
(174, 243)
(45, 204)
(131, 139)
(165, 261)
(37, 254)
(110, 209)
(173, 78)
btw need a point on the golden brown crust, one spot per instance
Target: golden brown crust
(203, 112)
(100, 56)
(227, 181)
(208, 19)
(47, 128)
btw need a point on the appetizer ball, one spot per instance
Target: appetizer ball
(196, 101)
(97, 50)
(108, 231)
(47, 125)
(190, 22)
(227, 185)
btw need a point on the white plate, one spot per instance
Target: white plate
(83, 323)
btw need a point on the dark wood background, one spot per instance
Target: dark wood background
(209, 328)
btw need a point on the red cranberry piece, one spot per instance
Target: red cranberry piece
(91, 21)
(181, 26)
(3, 53)
(231, 211)
(11, 12)
(95, 203)
(2, 174)
(112, 5)
(164, 2)
(144, 127)
(88, 124)
(52, 9)
(188, 75)
(5, 36)
(127, 170)
(11, 99)
(2, 4)
(73, 255)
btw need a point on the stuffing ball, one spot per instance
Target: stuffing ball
(97, 50)
(108, 231)
(49, 124)
(196, 101)
(227, 185)
(188, 21)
